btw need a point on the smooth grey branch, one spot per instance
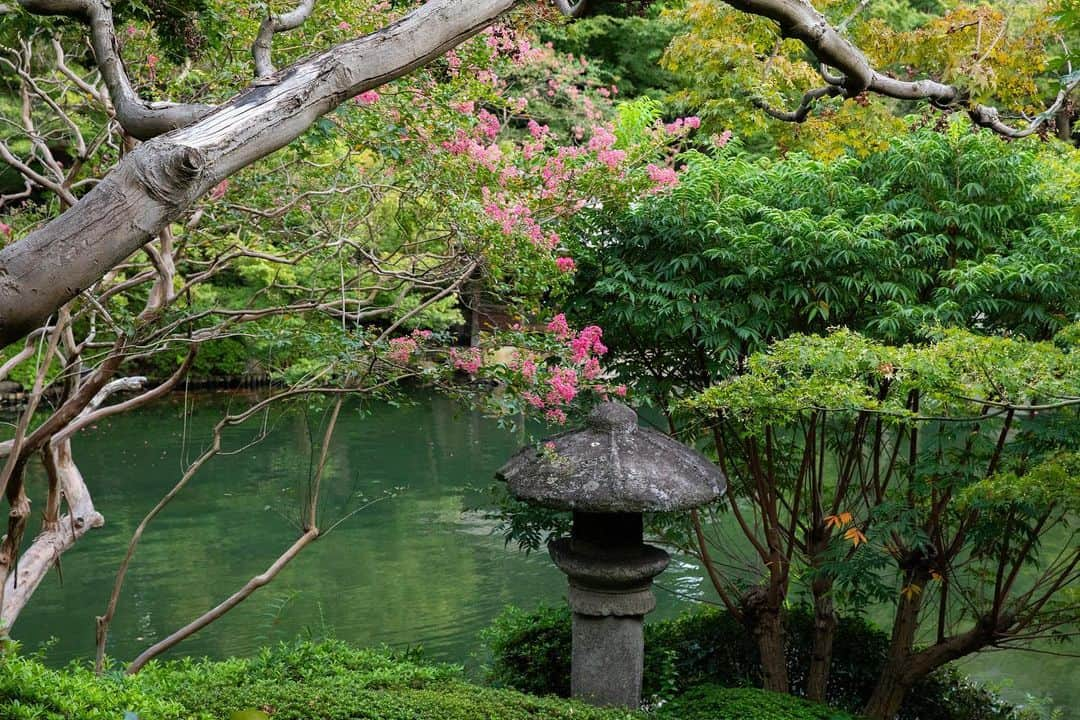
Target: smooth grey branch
(272, 25)
(139, 118)
(799, 19)
(572, 9)
(800, 113)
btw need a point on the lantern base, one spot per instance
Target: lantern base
(608, 660)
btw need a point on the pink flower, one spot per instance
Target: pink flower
(592, 369)
(620, 390)
(563, 382)
(533, 399)
(219, 190)
(367, 98)
(588, 342)
(565, 264)
(559, 326)
(467, 108)
(537, 130)
(602, 139)
(611, 158)
(722, 139)
(528, 369)
(5, 229)
(469, 362)
(693, 122)
(343, 26)
(549, 446)
(152, 61)
(489, 124)
(401, 349)
(662, 176)
(556, 416)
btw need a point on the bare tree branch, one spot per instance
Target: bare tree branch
(159, 180)
(141, 119)
(800, 20)
(272, 25)
(800, 113)
(572, 9)
(232, 601)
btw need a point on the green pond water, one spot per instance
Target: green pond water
(419, 568)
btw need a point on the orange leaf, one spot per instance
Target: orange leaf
(855, 536)
(837, 521)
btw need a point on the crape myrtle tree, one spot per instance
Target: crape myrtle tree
(166, 153)
(335, 266)
(191, 147)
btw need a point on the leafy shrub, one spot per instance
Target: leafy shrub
(713, 702)
(303, 681)
(531, 652)
(31, 691)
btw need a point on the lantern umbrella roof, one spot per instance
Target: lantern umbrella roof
(613, 466)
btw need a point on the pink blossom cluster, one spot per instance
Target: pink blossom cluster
(489, 124)
(517, 217)
(469, 361)
(565, 264)
(507, 41)
(563, 383)
(587, 342)
(369, 97)
(402, 348)
(602, 138)
(683, 125)
(662, 176)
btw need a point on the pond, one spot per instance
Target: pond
(415, 569)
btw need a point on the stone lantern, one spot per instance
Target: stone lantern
(608, 474)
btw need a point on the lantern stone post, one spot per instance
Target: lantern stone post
(608, 474)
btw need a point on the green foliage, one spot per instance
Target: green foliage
(952, 229)
(531, 652)
(727, 61)
(710, 702)
(625, 50)
(304, 681)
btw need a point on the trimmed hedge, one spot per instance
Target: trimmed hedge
(306, 681)
(333, 681)
(709, 702)
(531, 652)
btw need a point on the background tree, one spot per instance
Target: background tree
(741, 71)
(940, 477)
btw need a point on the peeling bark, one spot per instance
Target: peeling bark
(47, 547)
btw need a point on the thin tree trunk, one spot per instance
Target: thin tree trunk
(896, 677)
(764, 618)
(825, 623)
(233, 600)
